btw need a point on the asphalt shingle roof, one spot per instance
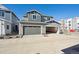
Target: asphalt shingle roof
(3, 8)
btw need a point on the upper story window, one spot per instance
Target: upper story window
(69, 24)
(34, 16)
(1, 13)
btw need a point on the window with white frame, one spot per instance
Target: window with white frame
(34, 16)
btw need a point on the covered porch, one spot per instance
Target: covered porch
(53, 28)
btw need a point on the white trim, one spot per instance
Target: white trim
(35, 15)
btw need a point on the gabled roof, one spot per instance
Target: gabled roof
(53, 21)
(47, 16)
(36, 12)
(31, 12)
(3, 8)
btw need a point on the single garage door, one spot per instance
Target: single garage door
(51, 29)
(31, 30)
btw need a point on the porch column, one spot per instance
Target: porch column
(43, 29)
(58, 31)
(2, 28)
(20, 29)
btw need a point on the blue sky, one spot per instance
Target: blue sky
(58, 11)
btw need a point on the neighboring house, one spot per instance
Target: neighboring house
(8, 21)
(34, 23)
(71, 24)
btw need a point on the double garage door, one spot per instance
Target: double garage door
(31, 30)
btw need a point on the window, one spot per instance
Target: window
(69, 21)
(1, 13)
(7, 26)
(34, 16)
(69, 24)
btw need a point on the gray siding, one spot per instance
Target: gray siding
(7, 16)
(42, 19)
(46, 18)
(38, 17)
(8, 31)
(14, 18)
(14, 23)
(9, 20)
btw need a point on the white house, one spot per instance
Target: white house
(76, 23)
(8, 21)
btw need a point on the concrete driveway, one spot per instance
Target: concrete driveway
(38, 44)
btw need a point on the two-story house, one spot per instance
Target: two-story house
(35, 23)
(8, 21)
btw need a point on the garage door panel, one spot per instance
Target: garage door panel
(30, 30)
